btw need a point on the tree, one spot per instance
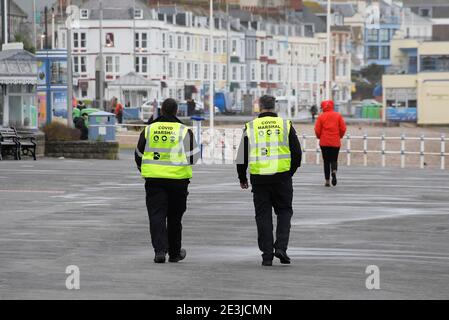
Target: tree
(373, 73)
(366, 80)
(27, 45)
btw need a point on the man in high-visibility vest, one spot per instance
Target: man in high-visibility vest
(272, 151)
(164, 155)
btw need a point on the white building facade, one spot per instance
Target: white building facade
(171, 49)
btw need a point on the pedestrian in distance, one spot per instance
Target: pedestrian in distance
(80, 124)
(313, 112)
(164, 155)
(271, 150)
(118, 111)
(330, 128)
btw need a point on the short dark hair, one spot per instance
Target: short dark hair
(169, 107)
(267, 102)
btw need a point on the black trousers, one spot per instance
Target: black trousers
(266, 197)
(166, 204)
(330, 160)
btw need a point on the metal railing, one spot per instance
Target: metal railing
(226, 142)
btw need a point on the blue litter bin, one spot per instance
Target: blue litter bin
(102, 126)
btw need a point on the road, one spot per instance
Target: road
(56, 213)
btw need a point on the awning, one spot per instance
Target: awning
(18, 80)
(17, 67)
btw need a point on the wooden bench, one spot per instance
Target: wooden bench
(24, 146)
(9, 144)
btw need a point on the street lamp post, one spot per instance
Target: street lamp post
(328, 53)
(34, 24)
(101, 76)
(211, 69)
(53, 43)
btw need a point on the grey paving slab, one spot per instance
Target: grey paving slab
(55, 213)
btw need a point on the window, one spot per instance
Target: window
(79, 64)
(144, 67)
(215, 46)
(262, 72)
(385, 52)
(141, 64)
(438, 63)
(373, 52)
(253, 73)
(188, 43)
(206, 44)
(83, 39)
(372, 35)
(136, 64)
(79, 40)
(138, 14)
(188, 71)
(224, 73)
(180, 43)
(109, 65)
(225, 46)
(164, 40)
(215, 72)
(234, 47)
(384, 35)
(180, 70)
(117, 64)
(196, 72)
(137, 40)
(206, 72)
(242, 73)
(170, 42)
(262, 48)
(171, 70)
(425, 12)
(144, 42)
(84, 14)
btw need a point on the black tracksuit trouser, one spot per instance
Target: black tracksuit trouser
(266, 197)
(330, 160)
(166, 204)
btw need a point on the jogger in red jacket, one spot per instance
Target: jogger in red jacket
(330, 128)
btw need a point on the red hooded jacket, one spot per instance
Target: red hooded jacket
(330, 127)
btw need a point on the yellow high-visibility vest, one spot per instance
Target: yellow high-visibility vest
(269, 150)
(164, 155)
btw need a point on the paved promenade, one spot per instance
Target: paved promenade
(92, 214)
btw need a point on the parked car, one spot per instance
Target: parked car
(147, 109)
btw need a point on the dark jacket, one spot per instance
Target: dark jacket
(80, 124)
(296, 156)
(190, 146)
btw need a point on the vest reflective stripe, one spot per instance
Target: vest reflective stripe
(278, 157)
(164, 155)
(166, 163)
(269, 150)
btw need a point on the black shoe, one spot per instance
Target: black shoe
(181, 256)
(334, 179)
(282, 255)
(159, 257)
(267, 263)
